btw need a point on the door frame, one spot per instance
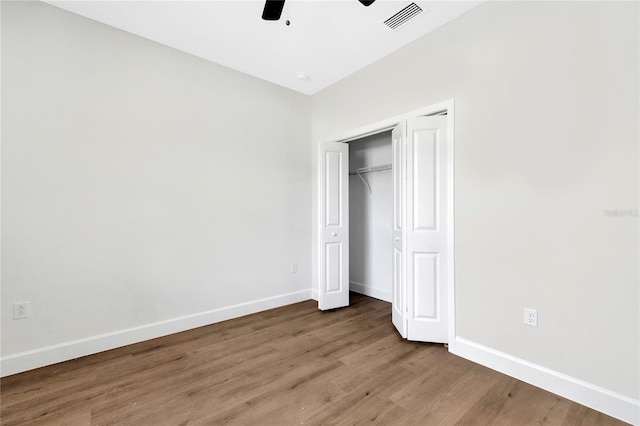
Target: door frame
(388, 124)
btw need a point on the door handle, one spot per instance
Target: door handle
(334, 234)
(397, 239)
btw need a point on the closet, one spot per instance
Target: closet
(370, 216)
(385, 210)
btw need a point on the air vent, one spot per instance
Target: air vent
(403, 16)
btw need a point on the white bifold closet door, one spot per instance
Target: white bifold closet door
(419, 287)
(424, 234)
(398, 291)
(333, 256)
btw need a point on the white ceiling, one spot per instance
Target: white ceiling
(327, 40)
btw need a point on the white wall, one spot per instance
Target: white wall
(370, 218)
(140, 186)
(546, 140)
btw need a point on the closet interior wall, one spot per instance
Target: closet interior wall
(370, 217)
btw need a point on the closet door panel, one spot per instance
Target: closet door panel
(425, 180)
(426, 238)
(333, 250)
(398, 180)
(399, 296)
(333, 277)
(333, 183)
(425, 273)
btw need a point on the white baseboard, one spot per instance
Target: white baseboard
(36, 358)
(600, 399)
(370, 291)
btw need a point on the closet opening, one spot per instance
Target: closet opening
(388, 232)
(371, 215)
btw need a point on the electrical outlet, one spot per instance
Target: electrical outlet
(21, 310)
(294, 268)
(531, 317)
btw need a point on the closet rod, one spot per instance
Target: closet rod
(371, 169)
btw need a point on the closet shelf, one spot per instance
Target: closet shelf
(371, 169)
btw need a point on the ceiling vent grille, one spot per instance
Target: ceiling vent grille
(403, 16)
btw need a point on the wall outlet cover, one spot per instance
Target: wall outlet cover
(531, 317)
(21, 310)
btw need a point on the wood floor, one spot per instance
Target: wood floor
(287, 366)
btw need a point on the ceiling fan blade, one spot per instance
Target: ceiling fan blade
(367, 2)
(272, 10)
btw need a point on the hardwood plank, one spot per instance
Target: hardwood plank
(291, 365)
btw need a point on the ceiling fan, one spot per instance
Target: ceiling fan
(273, 8)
